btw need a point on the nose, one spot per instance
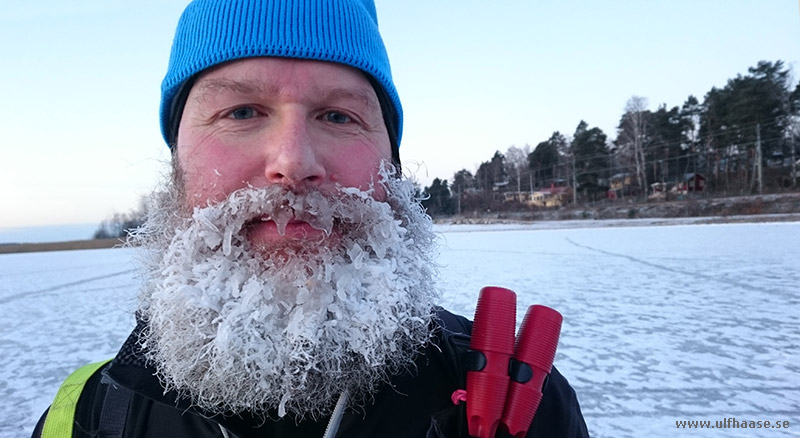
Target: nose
(292, 159)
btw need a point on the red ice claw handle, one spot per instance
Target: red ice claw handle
(529, 368)
(492, 345)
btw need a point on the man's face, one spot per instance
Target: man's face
(272, 121)
(286, 263)
(244, 315)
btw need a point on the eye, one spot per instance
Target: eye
(243, 113)
(337, 117)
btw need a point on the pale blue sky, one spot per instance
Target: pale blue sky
(79, 109)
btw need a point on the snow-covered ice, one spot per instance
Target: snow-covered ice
(661, 323)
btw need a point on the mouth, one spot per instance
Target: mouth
(267, 231)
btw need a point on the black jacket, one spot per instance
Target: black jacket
(417, 404)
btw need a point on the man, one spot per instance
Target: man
(288, 267)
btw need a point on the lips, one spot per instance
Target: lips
(288, 229)
(265, 231)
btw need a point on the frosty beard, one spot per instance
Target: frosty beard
(240, 329)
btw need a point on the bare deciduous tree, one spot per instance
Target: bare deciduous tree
(517, 159)
(632, 137)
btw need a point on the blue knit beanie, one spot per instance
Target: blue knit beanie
(212, 32)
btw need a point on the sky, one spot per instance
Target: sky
(81, 83)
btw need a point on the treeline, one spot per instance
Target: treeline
(741, 139)
(120, 224)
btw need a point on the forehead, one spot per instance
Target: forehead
(284, 77)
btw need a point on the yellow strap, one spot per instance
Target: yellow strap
(61, 415)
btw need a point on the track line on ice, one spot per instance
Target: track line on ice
(609, 388)
(668, 269)
(62, 286)
(678, 413)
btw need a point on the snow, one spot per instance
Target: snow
(661, 323)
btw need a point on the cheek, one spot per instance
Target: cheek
(356, 167)
(209, 174)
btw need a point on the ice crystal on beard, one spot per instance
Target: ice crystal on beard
(248, 332)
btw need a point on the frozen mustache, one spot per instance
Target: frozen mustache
(248, 206)
(314, 208)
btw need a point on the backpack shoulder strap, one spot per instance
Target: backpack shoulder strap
(61, 414)
(114, 413)
(452, 323)
(455, 338)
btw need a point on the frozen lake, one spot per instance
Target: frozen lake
(661, 324)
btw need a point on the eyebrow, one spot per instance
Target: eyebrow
(206, 87)
(369, 100)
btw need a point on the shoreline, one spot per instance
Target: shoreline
(456, 223)
(14, 248)
(464, 224)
